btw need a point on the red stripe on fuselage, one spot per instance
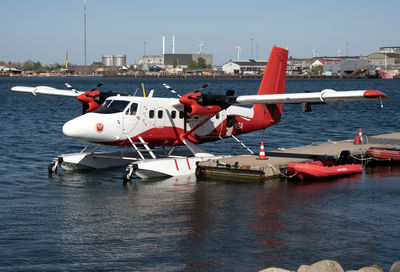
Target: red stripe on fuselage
(170, 136)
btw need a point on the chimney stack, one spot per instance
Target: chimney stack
(173, 44)
(163, 45)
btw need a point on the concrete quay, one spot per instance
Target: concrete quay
(249, 167)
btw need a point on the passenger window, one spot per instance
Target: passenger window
(217, 115)
(173, 114)
(160, 114)
(181, 114)
(132, 109)
(151, 114)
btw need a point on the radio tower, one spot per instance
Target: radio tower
(84, 27)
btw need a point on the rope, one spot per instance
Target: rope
(280, 173)
(361, 159)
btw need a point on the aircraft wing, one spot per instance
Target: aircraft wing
(326, 95)
(46, 91)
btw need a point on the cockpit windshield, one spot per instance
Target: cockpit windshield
(112, 106)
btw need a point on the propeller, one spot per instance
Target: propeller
(85, 107)
(185, 118)
(171, 90)
(97, 86)
(70, 87)
(202, 88)
(96, 98)
(187, 109)
(91, 100)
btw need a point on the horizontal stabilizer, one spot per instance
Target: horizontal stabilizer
(326, 95)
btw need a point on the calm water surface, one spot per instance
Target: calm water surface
(89, 221)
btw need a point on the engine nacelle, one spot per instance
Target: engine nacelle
(91, 99)
(193, 108)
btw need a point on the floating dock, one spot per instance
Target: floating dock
(249, 167)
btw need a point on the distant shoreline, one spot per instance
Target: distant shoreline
(196, 76)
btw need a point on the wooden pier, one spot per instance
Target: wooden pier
(249, 167)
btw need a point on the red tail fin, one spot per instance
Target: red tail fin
(273, 82)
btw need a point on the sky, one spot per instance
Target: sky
(43, 30)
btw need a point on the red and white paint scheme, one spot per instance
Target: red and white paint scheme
(148, 122)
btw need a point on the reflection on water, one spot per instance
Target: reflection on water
(96, 222)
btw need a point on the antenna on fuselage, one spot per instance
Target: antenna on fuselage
(135, 91)
(144, 92)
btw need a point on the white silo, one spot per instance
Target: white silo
(107, 60)
(119, 60)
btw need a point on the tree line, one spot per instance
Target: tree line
(30, 65)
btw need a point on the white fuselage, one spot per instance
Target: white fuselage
(159, 121)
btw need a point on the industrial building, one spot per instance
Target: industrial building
(173, 62)
(351, 65)
(110, 64)
(184, 59)
(390, 49)
(330, 65)
(244, 67)
(148, 63)
(167, 61)
(383, 59)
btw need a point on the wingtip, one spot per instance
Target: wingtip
(374, 94)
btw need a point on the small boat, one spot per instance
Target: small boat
(392, 154)
(384, 74)
(321, 169)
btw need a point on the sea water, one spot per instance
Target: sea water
(90, 221)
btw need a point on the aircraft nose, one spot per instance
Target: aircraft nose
(89, 127)
(72, 129)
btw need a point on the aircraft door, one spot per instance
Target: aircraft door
(130, 118)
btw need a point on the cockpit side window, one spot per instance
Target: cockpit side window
(112, 106)
(132, 109)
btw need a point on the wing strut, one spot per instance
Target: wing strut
(239, 141)
(196, 127)
(196, 150)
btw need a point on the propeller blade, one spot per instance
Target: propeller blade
(171, 90)
(230, 92)
(184, 118)
(70, 87)
(85, 107)
(97, 86)
(202, 87)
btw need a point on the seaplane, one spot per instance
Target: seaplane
(154, 127)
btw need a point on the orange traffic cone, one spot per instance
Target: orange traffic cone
(360, 136)
(358, 139)
(262, 156)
